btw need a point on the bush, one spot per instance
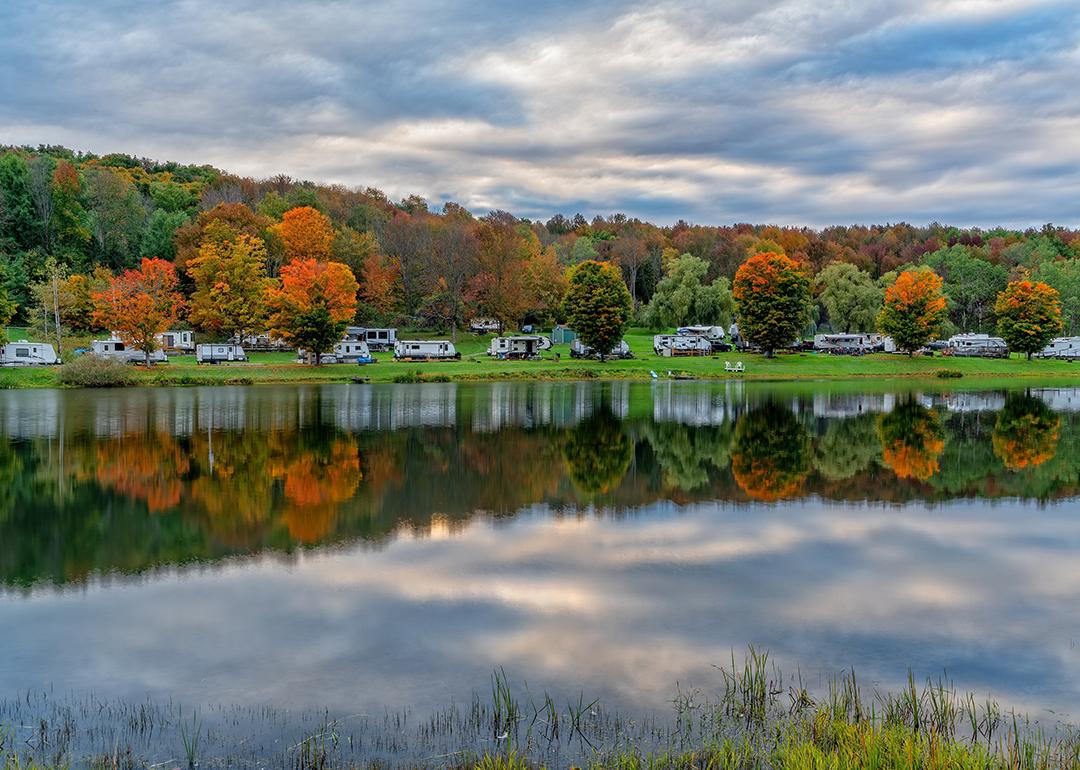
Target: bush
(949, 374)
(407, 378)
(90, 371)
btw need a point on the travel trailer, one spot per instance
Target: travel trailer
(219, 352)
(23, 353)
(425, 350)
(345, 352)
(854, 343)
(714, 334)
(260, 342)
(376, 339)
(578, 349)
(1067, 348)
(669, 345)
(117, 349)
(977, 345)
(523, 346)
(483, 326)
(176, 341)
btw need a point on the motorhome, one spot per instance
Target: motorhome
(669, 345)
(578, 349)
(977, 345)
(425, 350)
(118, 350)
(848, 343)
(1067, 348)
(23, 353)
(176, 341)
(345, 352)
(518, 347)
(483, 326)
(219, 352)
(376, 339)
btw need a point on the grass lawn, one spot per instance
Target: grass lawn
(476, 365)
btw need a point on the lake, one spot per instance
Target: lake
(364, 547)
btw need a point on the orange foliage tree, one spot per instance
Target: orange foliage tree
(230, 286)
(381, 284)
(772, 300)
(912, 440)
(306, 234)
(139, 304)
(914, 309)
(312, 303)
(1028, 315)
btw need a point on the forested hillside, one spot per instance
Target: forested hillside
(84, 217)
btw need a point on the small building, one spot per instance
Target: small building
(484, 326)
(856, 342)
(219, 352)
(578, 349)
(669, 345)
(118, 350)
(1067, 348)
(23, 353)
(522, 346)
(176, 341)
(561, 335)
(425, 350)
(345, 352)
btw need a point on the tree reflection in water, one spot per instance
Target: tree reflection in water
(912, 440)
(770, 455)
(597, 453)
(1026, 432)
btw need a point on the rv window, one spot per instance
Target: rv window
(118, 346)
(22, 352)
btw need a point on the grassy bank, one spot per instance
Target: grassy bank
(476, 365)
(758, 718)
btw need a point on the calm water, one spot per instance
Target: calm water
(361, 547)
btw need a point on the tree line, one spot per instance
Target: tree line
(80, 234)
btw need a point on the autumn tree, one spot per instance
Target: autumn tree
(226, 221)
(545, 284)
(140, 304)
(306, 233)
(312, 303)
(598, 305)
(772, 300)
(230, 286)
(499, 290)
(1028, 315)
(380, 286)
(1063, 275)
(452, 263)
(914, 309)
(850, 297)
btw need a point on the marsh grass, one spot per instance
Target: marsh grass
(756, 718)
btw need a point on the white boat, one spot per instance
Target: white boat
(23, 353)
(425, 350)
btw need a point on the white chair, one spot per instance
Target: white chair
(728, 367)
(739, 367)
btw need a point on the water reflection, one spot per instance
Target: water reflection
(125, 481)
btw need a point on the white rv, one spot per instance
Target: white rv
(977, 345)
(578, 349)
(345, 352)
(425, 350)
(118, 350)
(714, 334)
(23, 353)
(849, 343)
(219, 352)
(1067, 348)
(178, 341)
(668, 345)
(484, 326)
(524, 346)
(376, 339)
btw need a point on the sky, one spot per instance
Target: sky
(791, 112)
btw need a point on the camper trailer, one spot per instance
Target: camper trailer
(668, 345)
(176, 341)
(219, 352)
(484, 326)
(519, 347)
(376, 339)
(1066, 348)
(261, 342)
(425, 350)
(578, 349)
(345, 352)
(852, 344)
(977, 345)
(23, 353)
(714, 334)
(118, 350)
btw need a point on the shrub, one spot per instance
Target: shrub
(90, 371)
(949, 374)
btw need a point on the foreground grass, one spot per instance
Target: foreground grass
(760, 719)
(475, 365)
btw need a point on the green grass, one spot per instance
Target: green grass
(476, 365)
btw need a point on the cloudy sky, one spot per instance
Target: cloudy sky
(787, 111)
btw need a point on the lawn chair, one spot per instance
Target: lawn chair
(739, 367)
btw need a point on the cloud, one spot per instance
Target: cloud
(786, 111)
